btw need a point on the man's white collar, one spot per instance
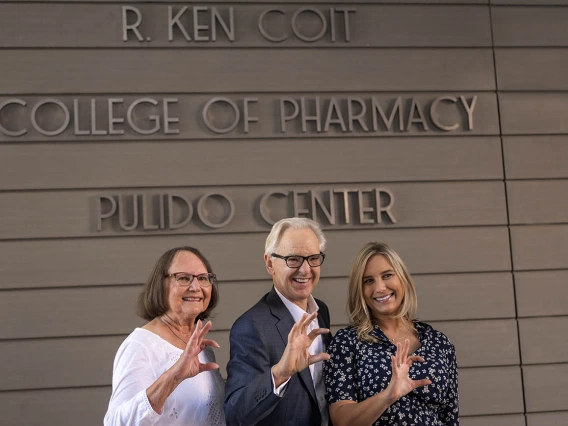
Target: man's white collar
(294, 309)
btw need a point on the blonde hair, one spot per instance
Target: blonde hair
(359, 315)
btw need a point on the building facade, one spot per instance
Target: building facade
(438, 127)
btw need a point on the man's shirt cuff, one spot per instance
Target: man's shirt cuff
(280, 390)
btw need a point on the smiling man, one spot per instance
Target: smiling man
(274, 342)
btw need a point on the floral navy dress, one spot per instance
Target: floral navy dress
(358, 370)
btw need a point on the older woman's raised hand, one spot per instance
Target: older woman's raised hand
(188, 364)
(400, 383)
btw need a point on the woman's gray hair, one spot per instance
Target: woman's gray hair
(295, 223)
(153, 299)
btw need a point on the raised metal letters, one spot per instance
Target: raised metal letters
(201, 24)
(335, 207)
(201, 32)
(220, 115)
(371, 206)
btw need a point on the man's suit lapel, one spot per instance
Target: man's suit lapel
(284, 325)
(284, 322)
(324, 322)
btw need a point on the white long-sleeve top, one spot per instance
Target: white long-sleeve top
(141, 359)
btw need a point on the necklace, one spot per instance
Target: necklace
(169, 328)
(396, 339)
(399, 338)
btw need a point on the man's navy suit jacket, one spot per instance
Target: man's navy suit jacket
(258, 339)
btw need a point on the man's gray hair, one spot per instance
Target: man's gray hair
(295, 223)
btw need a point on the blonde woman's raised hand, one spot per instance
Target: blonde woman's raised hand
(400, 383)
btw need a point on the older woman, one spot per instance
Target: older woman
(165, 373)
(388, 368)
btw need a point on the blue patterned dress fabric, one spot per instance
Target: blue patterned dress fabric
(358, 370)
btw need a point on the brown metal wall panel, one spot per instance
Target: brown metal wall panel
(447, 246)
(542, 201)
(58, 354)
(84, 118)
(490, 390)
(127, 260)
(545, 387)
(543, 340)
(32, 71)
(92, 311)
(502, 420)
(492, 293)
(67, 298)
(539, 247)
(542, 293)
(273, 1)
(61, 407)
(529, 26)
(535, 157)
(68, 214)
(548, 419)
(237, 297)
(112, 165)
(100, 25)
(333, 291)
(534, 113)
(472, 338)
(65, 312)
(531, 68)
(54, 363)
(529, 2)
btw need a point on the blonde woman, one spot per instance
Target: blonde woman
(387, 368)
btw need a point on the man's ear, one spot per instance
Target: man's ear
(269, 265)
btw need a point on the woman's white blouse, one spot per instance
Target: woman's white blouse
(141, 359)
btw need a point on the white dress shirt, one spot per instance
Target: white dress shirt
(316, 369)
